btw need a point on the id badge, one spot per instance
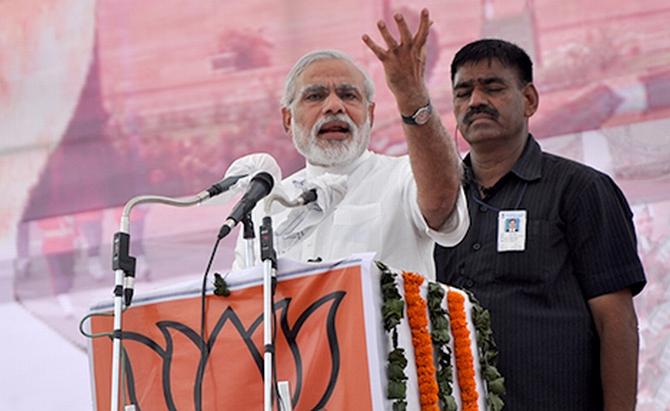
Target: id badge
(511, 230)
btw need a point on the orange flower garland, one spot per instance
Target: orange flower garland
(423, 346)
(462, 347)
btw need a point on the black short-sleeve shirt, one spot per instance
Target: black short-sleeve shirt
(580, 243)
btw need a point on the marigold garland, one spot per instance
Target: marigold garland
(435, 383)
(421, 340)
(465, 369)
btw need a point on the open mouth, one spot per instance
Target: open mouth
(335, 129)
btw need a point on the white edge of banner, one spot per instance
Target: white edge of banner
(375, 339)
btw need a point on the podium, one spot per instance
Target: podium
(330, 343)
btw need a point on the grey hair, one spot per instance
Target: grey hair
(312, 57)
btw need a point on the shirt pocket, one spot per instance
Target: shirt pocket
(545, 254)
(358, 227)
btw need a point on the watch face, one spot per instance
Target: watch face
(422, 116)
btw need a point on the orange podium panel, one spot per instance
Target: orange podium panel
(320, 344)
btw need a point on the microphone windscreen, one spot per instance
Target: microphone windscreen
(254, 163)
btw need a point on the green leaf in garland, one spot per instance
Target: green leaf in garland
(400, 406)
(220, 286)
(396, 390)
(393, 308)
(444, 388)
(390, 292)
(483, 320)
(450, 404)
(495, 403)
(397, 356)
(440, 336)
(396, 372)
(490, 356)
(497, 386)
(382, 267)
(490, 373)
(435, 296)
(444, 376)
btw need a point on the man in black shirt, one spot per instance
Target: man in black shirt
(560, 284)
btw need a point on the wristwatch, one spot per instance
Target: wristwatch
(420, 116)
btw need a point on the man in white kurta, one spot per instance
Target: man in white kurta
(397, 207)
(378, 213)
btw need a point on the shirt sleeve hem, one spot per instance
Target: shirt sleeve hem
(455, 228)
(633, 279)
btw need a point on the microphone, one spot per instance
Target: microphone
(259, 187)
(237, 175)
(224, 185)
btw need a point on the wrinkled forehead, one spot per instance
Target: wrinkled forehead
(331, 73)
(482, 71)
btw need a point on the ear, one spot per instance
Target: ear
(371, 113)
(531, 99)
(286, 118)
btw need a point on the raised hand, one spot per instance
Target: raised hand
(404, 62)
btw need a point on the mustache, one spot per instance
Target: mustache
(490, 111)
(334, 117)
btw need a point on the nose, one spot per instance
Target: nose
(478, 98)
(333, 104)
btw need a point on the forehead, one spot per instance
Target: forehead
(331, 72)
(485, 69)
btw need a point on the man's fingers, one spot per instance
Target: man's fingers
(386, 35)
(424, 28)
(405, 34)
(379, 52)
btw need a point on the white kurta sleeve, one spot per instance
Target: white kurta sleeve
(454, 229)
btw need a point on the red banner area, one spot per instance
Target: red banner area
(320, 345)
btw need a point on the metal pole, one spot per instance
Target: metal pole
(124, 270)
(116, 348)
(267, 335)
(269, 258)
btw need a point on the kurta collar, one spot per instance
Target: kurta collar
(348, 169)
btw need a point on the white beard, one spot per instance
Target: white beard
(328, 153)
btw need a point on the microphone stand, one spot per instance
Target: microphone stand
(123, 265)
(269, 259)
(249, 236)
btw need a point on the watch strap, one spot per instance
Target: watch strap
(420, 116)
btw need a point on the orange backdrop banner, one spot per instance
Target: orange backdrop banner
(320, 346)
